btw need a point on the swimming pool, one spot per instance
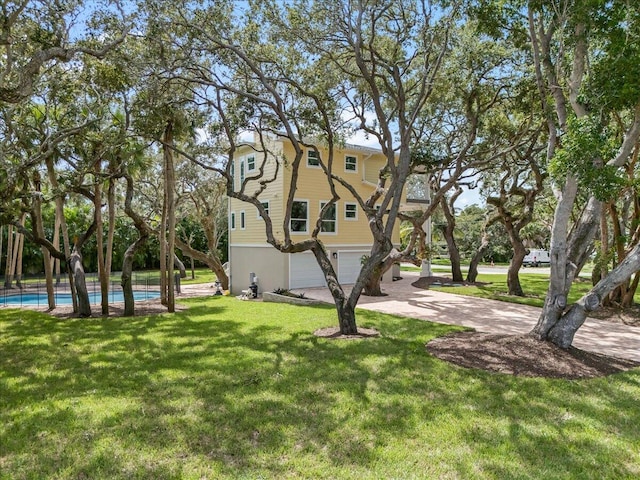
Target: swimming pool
(37, 299)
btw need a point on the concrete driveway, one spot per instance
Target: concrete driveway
(489, 316)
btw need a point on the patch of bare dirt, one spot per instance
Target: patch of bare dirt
(146, 307)
(522, 355)
(334, 333)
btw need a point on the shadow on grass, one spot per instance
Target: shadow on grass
(231, 388)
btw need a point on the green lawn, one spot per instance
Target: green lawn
(232, 389)
(495, 287)
(534, 286)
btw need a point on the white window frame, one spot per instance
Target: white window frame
(249, 168)
(355, 170)
(306, 219)
(243, 220)
(335, 219)
(232, 221)
(355, 205)
(243, 172)
(309, 152)
(267, 208)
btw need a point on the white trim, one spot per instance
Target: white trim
(346, 170)
(242, 173)
(335, 220)
(350, 219)
(243, 220)
(306, 231)
(268, 202)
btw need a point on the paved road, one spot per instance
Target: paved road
(490, 316)
(489, 269)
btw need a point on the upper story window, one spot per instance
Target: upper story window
(328, 224)
(313, 158)
(299, 216)
(350, 163)
(350, 211)
(241, 172)
(232, 220)
(242, 220)
(251, 163)
(265, 205)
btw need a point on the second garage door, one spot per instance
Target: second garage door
(349, 266)
(304, 271)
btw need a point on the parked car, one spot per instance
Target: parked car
(536, 258)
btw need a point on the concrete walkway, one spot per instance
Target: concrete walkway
(489, 316)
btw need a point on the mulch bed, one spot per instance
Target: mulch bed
(523, 355)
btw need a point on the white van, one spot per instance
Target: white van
(536, 258)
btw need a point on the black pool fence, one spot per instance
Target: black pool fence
(32, 289)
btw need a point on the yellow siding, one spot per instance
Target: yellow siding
(254, 232)
(313, 187)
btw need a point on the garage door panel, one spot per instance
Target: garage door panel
(349, 266)
(304, 271)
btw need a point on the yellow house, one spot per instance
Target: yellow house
(344, 232)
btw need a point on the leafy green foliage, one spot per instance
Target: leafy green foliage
(586, 145)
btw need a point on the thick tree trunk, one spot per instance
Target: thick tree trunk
(472, 273)
(75, 265)
(39, 228)
(513, 278)
(347, 318)
(556, 299)
(448, 230)
(170, 182)
(565, 329)
(567, 256)
(20, 254)
(162, 238)
(102, 275)
(212, 261)
(55, 262)
(8, 273)
(372, 286)
(111, 226)
(346, 307)
(127, 273)
(15, 247)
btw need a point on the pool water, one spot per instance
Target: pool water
(35, 299)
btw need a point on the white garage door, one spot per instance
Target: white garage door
(304, 271)
(349, 266)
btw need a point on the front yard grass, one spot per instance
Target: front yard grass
(231, 389)
(534, 285)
